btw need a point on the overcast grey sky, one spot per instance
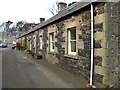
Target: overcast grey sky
(28, 10)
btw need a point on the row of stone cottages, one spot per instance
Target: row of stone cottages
(66, 40)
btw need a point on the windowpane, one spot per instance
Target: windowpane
(52, 36)
(51, 41)
(73, 34)
(34, 42)
(73, 46)
(40, 42)
(52, 45)
(72, 40)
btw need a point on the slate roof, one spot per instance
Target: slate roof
(69, 10)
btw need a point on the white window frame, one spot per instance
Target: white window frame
(40, 41)
(69, 43)
(52, 42)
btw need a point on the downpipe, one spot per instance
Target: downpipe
(90, 85)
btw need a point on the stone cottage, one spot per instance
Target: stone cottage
(82, 38)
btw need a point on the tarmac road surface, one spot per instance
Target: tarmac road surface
(21, 70)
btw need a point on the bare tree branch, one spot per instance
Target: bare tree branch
(53, 8)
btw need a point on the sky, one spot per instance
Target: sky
(26, 10)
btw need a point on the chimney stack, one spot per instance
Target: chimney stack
(61, 6)
(42, 20)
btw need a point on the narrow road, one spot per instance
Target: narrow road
(20, 70)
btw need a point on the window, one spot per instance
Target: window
(51, 41)
(72, 41)
(34, 41)
(40, 41)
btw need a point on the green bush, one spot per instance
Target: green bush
(22, 48)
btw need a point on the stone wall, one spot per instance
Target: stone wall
(106, 49)
(106, 44)
(80, 63)
(100, 45)
(112, 34)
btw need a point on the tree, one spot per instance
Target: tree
(27, 26)
(19, 25)
(15, 29)
(1, 27)
(7, 26)
(53, 8)
(11, 27)
(24, 26)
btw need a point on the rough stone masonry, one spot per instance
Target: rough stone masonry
(106, 42)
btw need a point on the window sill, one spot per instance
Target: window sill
(71, 56)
